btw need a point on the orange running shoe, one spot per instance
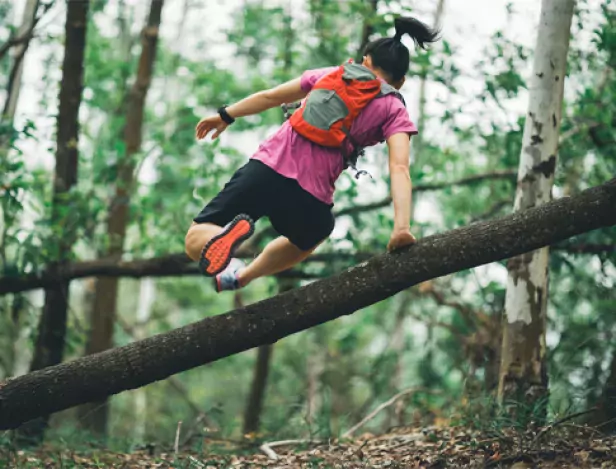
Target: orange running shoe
(217, 253)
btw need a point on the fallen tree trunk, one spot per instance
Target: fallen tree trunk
(96, 376)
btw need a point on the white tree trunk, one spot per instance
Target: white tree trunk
(522, 361)
(147, 295)
(13, 93)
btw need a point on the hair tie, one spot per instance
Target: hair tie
(398, 36)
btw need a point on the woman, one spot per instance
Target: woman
(291, 178)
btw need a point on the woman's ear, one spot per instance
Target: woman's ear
(367, 62)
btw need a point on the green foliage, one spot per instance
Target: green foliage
(448, 346)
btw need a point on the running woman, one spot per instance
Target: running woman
(291, 178)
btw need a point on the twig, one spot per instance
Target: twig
(384, 405)
(194, 461)
(558, 422)
(27, 35)
(267, 447)
(177, 438)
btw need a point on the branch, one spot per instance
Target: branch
(493, 210)
(561, 421)
(586, 248)
(465, 311)
(96, 376)
(384, 405)
(507, 175)
(267, 447)
(469, 180)
(164, 266)
(453, 330)
(25, 37)
(177, 265)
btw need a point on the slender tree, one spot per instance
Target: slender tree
(49, 347)
(95, 416)
(523, 375)
(19, 51)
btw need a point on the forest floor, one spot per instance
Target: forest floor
(564, 447)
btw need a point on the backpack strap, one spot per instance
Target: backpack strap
(387, 89)
(353, 71)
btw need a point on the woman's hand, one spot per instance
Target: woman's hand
(400, 238)
(207, 124)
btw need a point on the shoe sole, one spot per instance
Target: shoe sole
(218, 252)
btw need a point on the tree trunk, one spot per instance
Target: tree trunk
(93, 377)
(254, 406)
(395, 414)
(95, 416)
(19, 51)
(147, 295)
(314, 371)
(49, 347)
(606, 416)
(523, 375)
(368, 29)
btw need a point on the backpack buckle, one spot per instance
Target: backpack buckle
(287, 107)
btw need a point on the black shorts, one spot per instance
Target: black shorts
(258, 191)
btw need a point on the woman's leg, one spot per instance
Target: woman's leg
(279, 255)
(228, 219)
(199, 234)
(213, 246)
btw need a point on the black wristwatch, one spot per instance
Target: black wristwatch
(222, 112)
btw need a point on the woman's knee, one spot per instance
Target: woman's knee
(197, 236)
(190, 242)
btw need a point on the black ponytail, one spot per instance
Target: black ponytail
(390, 55)
(419, 32)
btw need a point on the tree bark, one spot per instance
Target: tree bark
(106, 291)
(93, 377)
(523, 374)
(49, 347)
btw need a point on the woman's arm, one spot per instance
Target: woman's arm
(399, 161)
(288, 92)
(256, 103)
